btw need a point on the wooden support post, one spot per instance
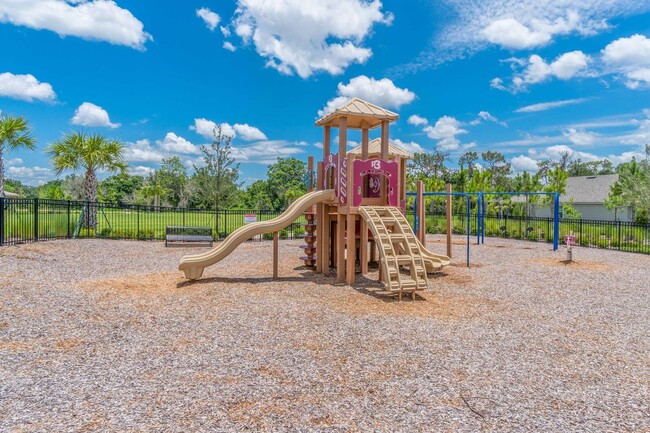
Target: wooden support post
(364, 144)
(276, 239)
(310, 170)
(324, 239)
(422, 224)
(363, 246)
(320, 219)
(340, 248)
(384, 140)
(351, 259)
(343, 137)
(326, 141)
(449, 220)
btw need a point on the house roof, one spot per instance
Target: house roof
(374, 149)
(588, 189)
(360, 114)
(11, 195)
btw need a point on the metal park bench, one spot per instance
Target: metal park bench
(188, 234)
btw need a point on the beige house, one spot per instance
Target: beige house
(587, 194)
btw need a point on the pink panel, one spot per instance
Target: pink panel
(375, 168)
(342, 186)
(330, 164)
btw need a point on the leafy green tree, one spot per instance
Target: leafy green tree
(633, 187)
(257, 196)
(215, 184)
(15, 133)
(80, 151)
(426, 165)
(153, 189)
(173, 178)
(120, 188)
(497, 164)
(468, 162)
(287, 174)
(52, 190)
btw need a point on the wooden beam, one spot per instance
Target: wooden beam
(320, 219)
(310, 170)
(363, 246)
(276, 238)
(384, 140)
(340, 248)
(327, 131)
(351, 259)
(364, 144)
(343, 136)
(449, 221)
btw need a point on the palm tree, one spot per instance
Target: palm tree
(78, 150)
(154, 189)
(14, 134)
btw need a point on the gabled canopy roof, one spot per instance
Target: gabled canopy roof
(374, 149)
(360, 114)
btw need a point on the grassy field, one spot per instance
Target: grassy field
(128, 224)
(149, 224)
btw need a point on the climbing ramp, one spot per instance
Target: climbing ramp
(397, 246)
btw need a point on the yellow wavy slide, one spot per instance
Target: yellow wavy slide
(433, 262)
(193, 265)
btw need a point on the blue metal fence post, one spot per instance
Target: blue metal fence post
(556, 221)
(478, 219)
(416, 220)
(483, 212)
(468, 227)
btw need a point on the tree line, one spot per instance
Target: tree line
(215, 183)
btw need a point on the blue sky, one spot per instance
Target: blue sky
(529, 78)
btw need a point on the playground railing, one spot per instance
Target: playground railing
(32, 220)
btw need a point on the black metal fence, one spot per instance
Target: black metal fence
(32, 220)
(617, 235)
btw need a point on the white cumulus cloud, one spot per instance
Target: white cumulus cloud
(229, 46)
(210, 18)
(173, 143)
(248, 133)
(472, 26)
(446, 130)
(309, 36)
(100, 20)
(89, 114)
(580, 138)
(416, 120)
(629, 57)
(380, 92)
(205, 128)
(25, 87)
(409, 146)
(523, 163)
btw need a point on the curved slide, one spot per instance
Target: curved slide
(433, 262)
(193, 265)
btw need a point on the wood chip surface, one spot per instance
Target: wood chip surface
(107, 336)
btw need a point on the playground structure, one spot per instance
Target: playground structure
(360, 201)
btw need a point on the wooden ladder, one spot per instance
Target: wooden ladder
(393, 235)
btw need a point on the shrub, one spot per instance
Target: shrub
(284, 233)
(105, 232)
(267, 236)
(146, 234)
(299, 232)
